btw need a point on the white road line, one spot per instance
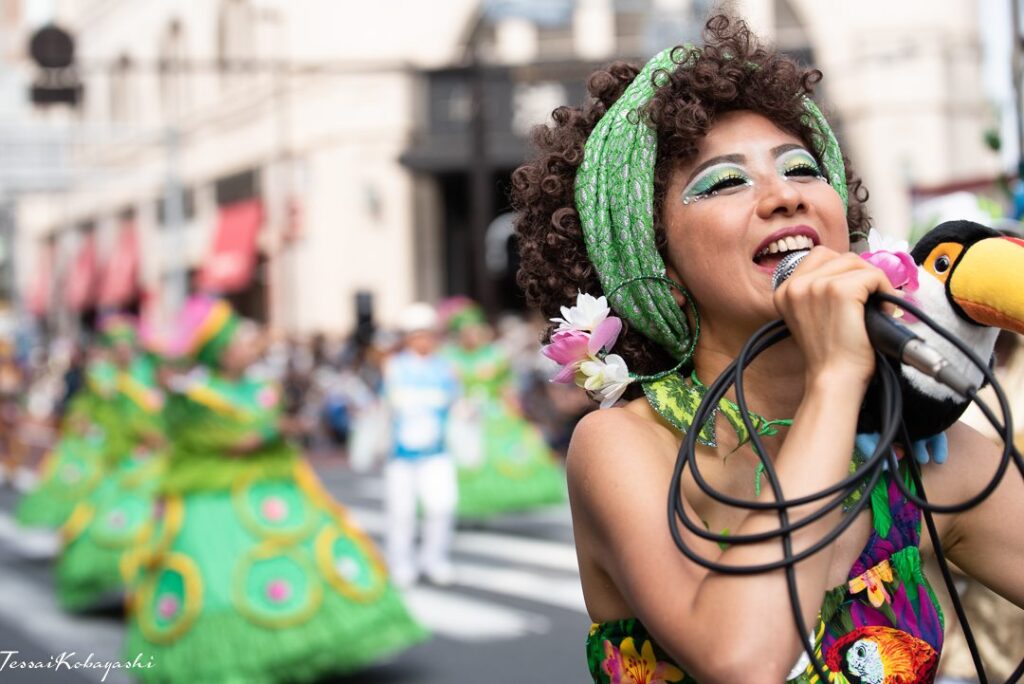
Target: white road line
(560, 592)
(372, 487)
(547, 554)
(466, 619)
(28, 542)
(34, 612)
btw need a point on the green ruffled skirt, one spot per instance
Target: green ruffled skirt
(267, 582)
(104, 535)
(517, 472)
(67, 475)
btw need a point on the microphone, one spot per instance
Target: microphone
(890, 338)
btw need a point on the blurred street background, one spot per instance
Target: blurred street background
(324, 163)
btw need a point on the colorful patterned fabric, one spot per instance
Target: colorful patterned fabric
(883, 625)
(615, 200)
(458, 312)
(116, 516)
(253, 572)
(102, 535)
(205, 328)
(116, 328)
(78, 459)
(516, 470)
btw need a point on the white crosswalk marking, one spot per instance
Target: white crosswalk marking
(34, 610)
(465, 619)
(28, 543)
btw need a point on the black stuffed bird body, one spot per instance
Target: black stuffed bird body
(971, 282)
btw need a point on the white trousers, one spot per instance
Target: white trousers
(431, 482)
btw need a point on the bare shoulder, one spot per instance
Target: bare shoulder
(606, 438)
(971, 463)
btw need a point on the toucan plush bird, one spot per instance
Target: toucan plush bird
(970, 281)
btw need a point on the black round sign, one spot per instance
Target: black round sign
(52, 47)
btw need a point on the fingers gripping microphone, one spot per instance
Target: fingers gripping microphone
(891, 338)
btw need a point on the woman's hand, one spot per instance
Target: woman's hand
(823, 305)
(246, 445)
(294, 426)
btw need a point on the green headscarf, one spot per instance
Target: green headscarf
(615, 200)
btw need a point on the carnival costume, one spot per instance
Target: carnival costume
(103, 536)
(255, 574)
(75, 464)
(419, 391)
(884, 623)
(515, 470)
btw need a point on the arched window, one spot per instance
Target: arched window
(123, 93)
(235, 37)
(173, 75)
(791, 36)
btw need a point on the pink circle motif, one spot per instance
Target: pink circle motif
(167, 607)
(116, 519)
(278, 591)
(274, 508)
(267, 397)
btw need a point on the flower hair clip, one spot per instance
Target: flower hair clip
(580, 344)
(893, 257)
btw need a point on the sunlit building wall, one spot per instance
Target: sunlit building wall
(322, 111)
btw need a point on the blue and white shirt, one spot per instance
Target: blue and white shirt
(419, 391)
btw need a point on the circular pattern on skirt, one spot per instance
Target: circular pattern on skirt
(129, 521)
(276, 587)
(169, 599)
(350, 563)
(273, 509)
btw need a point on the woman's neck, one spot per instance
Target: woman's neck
(773, 384)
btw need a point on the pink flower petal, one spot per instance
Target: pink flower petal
(567, 346)
(567, 374)
(899, 268)
(605, 334)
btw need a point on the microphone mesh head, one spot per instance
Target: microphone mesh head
(786, 266)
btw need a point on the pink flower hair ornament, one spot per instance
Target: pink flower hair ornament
(580, 344)
(893, 257)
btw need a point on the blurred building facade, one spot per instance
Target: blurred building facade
(306, 157)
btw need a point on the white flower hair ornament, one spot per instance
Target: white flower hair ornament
(580, 344)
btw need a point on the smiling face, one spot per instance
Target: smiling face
(752, 193)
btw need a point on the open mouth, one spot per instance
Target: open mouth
(769, 256)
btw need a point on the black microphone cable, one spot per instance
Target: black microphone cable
(863, 479)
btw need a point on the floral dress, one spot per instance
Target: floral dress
(517, 471)
(254, 573)
(75, 465)
(102, 536)
(884, 625)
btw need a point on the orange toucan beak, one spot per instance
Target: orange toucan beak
(988, 283)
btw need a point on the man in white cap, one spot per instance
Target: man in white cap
(420, 387)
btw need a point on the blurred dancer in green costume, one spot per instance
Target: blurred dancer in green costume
(75, 464)
(255, 574)
(102, 537)
(515, 469)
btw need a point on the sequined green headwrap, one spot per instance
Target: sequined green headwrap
(615, 200)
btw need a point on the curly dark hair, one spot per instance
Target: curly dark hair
(732, 71)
